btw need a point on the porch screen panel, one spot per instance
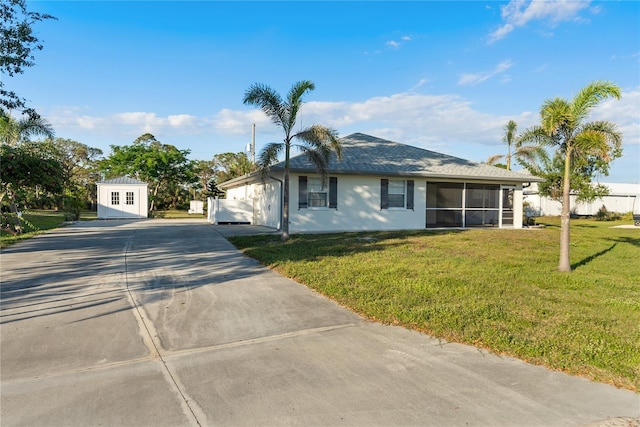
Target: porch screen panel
(444, 204)
(482, 205)
(448, 195)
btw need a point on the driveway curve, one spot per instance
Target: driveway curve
(165, 323)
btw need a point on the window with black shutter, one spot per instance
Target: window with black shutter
(396, 193)
(313, 192)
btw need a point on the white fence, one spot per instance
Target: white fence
(222, 211)
(621, 199)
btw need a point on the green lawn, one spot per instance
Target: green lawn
(37, 221)
(495, 289)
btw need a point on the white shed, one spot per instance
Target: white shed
(122, 197)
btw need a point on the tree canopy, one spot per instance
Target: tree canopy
(316, 142)
(517, 149)
(165, 168)
(13, 131)
(17, 48)
(582, 149)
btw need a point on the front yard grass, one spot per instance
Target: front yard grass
(38, 221)
(494, 289)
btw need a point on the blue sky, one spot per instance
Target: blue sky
(446, 76)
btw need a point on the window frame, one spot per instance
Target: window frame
(129, 199)
(305, 187)
(408, 194)
(318, 187)
(115, 198)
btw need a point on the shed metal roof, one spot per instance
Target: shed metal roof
(123, 180)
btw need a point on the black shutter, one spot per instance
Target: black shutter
(333, 192)
(302, 192)
(410, 186)
(384, 194)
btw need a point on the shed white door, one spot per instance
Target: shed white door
(124, 203)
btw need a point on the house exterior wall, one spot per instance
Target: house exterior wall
(107, 210)
(358, 205)
(265, 198)
(358, 208)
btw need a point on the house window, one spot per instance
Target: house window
(313, 192)
(316, 193)
(115, 198)
(396, 193)
(129, 198)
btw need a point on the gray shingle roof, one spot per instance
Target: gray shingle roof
(365, 154)
(122, 180)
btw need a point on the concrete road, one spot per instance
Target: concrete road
(164, 323)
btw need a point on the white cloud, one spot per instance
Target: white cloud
(472, 79)
(518, 13)
(446, 123)
(419, 84)
(623, 112)
(396, 44)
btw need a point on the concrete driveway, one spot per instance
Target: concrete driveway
(164, 323)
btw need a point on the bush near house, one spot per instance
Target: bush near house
(494, 289)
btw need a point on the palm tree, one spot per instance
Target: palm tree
(13, 131)
(563, 125)
(516, 147)
(317, 141)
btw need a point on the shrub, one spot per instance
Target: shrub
(604, 215)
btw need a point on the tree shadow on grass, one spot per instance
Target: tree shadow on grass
(588, 259)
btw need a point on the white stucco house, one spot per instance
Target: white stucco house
(122, 198)
(384, 185)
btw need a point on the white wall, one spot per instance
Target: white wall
(234, 211)
(620, 199)
(358, 206)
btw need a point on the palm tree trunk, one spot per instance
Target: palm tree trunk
(285, 197)
(565, 238)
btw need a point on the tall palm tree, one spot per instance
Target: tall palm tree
(516, 147)
(564, 126)
(316, 141)
(14, 131)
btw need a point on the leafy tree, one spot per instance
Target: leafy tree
(205, 170)
(14, 131)
(17, 46)
(551, 169)
(212, 188)
(585, 148)
(317, 141)
(25, 167)
(162, 166)
(81, 165)
(516, 147)
(231, 165)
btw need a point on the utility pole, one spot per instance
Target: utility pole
(253, 144)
